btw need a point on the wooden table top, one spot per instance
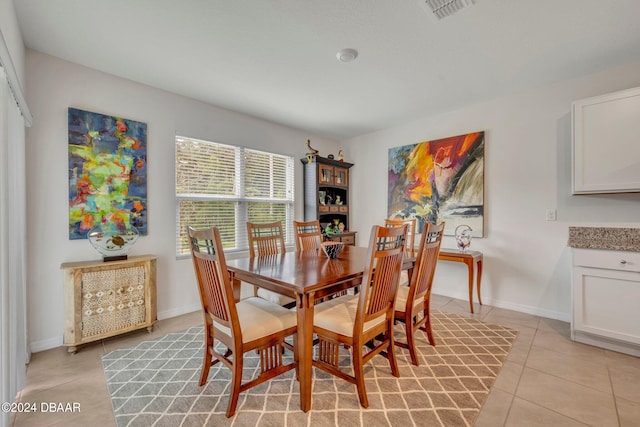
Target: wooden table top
(305, 271)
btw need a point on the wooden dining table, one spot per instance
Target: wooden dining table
(306, 276)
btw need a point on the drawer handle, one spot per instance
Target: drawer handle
(623, 261)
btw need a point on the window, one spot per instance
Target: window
(226, 186)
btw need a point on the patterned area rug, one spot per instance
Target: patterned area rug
(155, 383)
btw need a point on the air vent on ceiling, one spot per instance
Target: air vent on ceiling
(443, 8)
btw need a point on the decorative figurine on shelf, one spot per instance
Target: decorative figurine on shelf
(341, 227)
(338, 200)
(340, 156)
(328, 230)
(329, 199)
(330, 157)
(312, 152)
(321, 196)
(463, 237)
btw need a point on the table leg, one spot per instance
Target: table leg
(469, 263)
(479, 264)
(305, 348)
(409, 273)
(236, 285)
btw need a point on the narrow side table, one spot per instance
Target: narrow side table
(470, 258)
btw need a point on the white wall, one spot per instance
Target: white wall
(53, 86)
(527, 171)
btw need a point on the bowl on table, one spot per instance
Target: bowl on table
(332, 249)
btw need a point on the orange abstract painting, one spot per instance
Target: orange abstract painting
(439, 180)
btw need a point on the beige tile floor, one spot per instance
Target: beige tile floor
(548, 380)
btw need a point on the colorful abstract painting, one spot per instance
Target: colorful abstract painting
(440, 180)
(107, 172)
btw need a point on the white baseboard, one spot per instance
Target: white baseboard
(605, 342)
(168, 314)
(535, 311)
(47, 344)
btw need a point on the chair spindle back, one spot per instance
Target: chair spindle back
(265, 238)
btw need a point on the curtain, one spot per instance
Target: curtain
(14, 352)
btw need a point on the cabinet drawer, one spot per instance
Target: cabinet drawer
(349, 240)
(323, 208)
(611, 260)
(333, 209)
(344, 209)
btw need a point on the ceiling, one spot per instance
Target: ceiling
(276, 59)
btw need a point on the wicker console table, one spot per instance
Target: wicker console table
(103, 299)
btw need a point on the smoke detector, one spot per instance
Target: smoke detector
(347, 55)
(442, 8)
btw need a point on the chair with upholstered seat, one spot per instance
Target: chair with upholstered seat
(399, 222)
(250, 324)
(308, 235)
(412, 302)
(409, 250)
(268, 239)
(363, 322)
(265, 238)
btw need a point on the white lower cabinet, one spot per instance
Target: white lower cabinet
(606, 299)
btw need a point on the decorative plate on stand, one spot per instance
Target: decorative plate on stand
(113, 241)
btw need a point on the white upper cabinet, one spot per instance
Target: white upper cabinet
(606, 143)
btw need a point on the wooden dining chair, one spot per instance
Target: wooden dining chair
(399, 222)
(409, 250)
(412, 302)
(267, 238)
(308, 235)
(248, 325)
(363, 322)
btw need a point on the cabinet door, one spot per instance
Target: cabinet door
(605, 146)
(341, 177)
(606, 303)
(325, 175)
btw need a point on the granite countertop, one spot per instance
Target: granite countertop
(611, 238)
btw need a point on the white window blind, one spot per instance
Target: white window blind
(226, 186)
